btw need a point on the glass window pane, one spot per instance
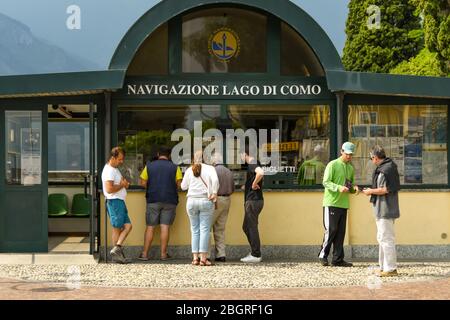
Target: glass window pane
(224, 40)
(143, 129)
(297, 58)
(152, 56)
(23, 147)
(304, 137)
(68, 146)
(414, 136)
(69, 142)
(304, 144)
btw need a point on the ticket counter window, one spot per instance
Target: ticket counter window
(304, 146)
(304, 135)
(414, 136)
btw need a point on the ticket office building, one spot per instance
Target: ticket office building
(231, 65)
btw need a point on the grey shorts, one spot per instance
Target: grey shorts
(160, 213)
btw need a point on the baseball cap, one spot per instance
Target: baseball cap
(348, 147)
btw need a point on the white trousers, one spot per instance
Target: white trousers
(386, 239)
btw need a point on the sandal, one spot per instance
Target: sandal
(206, 263)
(142, 258)
(167, 257)
(196, 262)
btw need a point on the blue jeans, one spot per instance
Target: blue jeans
(200, 212)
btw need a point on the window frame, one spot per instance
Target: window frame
(273, 45)
(117, 103)
(387, 101)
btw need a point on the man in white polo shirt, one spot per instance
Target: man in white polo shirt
(114, 189)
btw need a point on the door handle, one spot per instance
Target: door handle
(85, 186)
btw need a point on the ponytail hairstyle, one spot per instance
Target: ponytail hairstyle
(197, 163)
(116, 151)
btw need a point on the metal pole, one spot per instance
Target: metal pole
(91, 175)
(339, 115)
(107, 136)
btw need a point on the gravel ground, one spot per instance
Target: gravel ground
(177, 274)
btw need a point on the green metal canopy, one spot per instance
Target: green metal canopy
(61, 84)
(82, 83)
(388, 84)
(338, 80)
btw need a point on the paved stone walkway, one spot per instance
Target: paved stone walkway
(180, 274)
(423, 290)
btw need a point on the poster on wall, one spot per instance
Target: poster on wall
(397, 148)
(31, 169)
(434, 164)
(30, 156)
(413, 147)
(359, 131)
(395, 131)
(368, 117)
(377, 131)
(435, 131)
(413, 170)
(401, 169)
(415, 126)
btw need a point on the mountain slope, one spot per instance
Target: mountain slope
(22, 53)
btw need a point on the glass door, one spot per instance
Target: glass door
(23, 179)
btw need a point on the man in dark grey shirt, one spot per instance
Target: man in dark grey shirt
(384, 197)
(226, 188)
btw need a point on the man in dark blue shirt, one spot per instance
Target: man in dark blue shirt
(162, 179)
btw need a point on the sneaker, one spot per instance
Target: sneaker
(117, 255)
(251, 259)
(392, 273)
(342, 264)
(220, 259)
(122, 253)
(324, 262)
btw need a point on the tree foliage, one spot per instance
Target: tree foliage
(426, 63)
(398, 38)
(436, 23)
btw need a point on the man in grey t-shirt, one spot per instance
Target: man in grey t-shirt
(384, 197)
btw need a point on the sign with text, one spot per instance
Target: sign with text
(282, 146)
(179, 89)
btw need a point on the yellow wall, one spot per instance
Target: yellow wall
(424, 217)
(295, 218)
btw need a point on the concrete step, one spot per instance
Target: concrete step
(47, 258)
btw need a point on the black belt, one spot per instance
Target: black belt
(223, 195)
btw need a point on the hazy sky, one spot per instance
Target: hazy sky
(105, 22)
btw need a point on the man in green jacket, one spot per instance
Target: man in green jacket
(338, 181)
(311, 171)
